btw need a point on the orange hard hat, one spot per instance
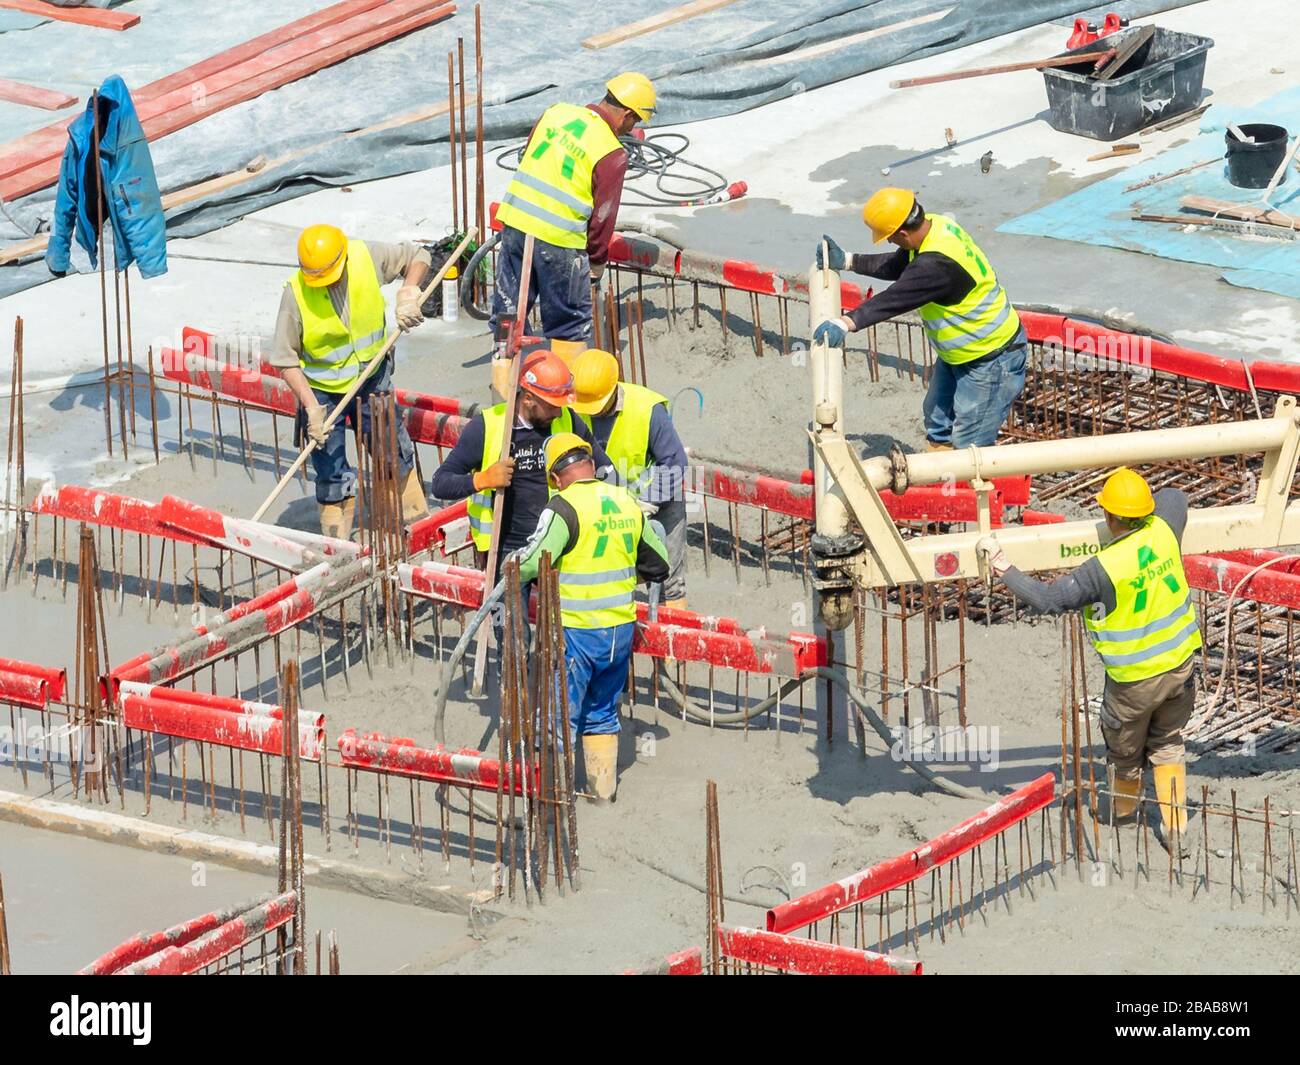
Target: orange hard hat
(546, 377)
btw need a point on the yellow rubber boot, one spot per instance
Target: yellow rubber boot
(336, 518)
(1124, 800)
(600, 753)
(930, 445)
(568, 350)
(676, 604)
(1171, 793)
(414, 503)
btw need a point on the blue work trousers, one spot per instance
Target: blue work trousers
(597, 666)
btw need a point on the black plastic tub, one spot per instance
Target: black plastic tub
(1161, 79)
(1252, 164)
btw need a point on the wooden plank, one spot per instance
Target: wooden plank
(48, 142)
(314, 51)
(655, 22)
(815, 50)
(1004, 68)
(19, 92)
(82, 16)
(1245, 212)
(1232, 225)
(1125, 52)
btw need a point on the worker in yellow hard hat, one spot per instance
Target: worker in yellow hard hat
(566, 194)
(939, 271)
(634, 426)
(332, 323)
(603, 547)
(1138, 610)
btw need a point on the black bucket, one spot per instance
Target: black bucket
(1252, 166)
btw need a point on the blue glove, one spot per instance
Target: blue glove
(831, 332)
(835, 253)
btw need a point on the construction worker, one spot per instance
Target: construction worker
(603, 546)
(634, 427)
(566, 194)
(474, 469)
(1140, 617)
(331, 324)
(941, 272)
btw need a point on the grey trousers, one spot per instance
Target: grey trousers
(672, 516)
(1143, 721)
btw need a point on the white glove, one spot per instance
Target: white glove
(316, 424)
(648, 509)
(992, 550)
(409, 314)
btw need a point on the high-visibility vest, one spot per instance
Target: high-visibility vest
(479, 505)
(598, 576)
(629, 440)
(1153, 626)
(334, 354)
(550, 194)
(981, 323)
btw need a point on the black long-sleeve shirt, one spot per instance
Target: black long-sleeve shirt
(931, 277)
(1089, 583)
(528, 491)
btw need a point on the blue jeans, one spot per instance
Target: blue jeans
(597, 666)
(561, 280)
(336, 480)
(967, 404)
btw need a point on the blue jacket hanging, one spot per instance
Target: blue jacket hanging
(133, 207)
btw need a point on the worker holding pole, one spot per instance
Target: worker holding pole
(633, 425)
(566, 194)
(1138, 611)
(940, 271)
(331, 324)
(602, 546)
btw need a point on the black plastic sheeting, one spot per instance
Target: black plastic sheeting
(314, 119)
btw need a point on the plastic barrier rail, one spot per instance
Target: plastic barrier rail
(677, 634)
(27, 684)
(807, 957)
(96, 507)
(875, 880)
(209, 948)
(688, 962)
(466, 767)
(435, 529)
(229, 722)
(140, 948)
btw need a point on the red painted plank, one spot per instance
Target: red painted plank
(82, 16)
(19, 92)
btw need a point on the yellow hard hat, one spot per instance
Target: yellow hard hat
(561, 445)
(887, 210)
(322, 254)
(595, 376)
(634, 92)
(1126, 494)
(567, 350)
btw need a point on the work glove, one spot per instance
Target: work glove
(992, 550)
(831, 332)
(838, 260)
(648, 509)
(316, 432)
(498, 475)
(409, 314)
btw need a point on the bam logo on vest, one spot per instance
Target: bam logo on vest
(113, 1019)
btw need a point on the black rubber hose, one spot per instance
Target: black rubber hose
(471, 271)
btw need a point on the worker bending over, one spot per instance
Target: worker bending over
(634, 427)
(1143, 625)
(602, 546)
(941, 272)
(331, 325)
(566, 194)
(474, 469)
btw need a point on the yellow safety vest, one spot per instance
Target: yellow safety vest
(550, 195)
(1153, 626)
(981, 323)
(629, 440)
(479, 505)
(334, 354)
(598, 577)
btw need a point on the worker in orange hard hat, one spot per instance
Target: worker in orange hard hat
(475, 470)
(332, 324)
(566, 194)
(635, 428)
(939, 271)
(1137, 608)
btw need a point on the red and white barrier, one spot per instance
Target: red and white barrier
(448, 529)
(244, 927)
(396, 754)
(27, 684)
(688, 962)
(285, 548)
(808, 957)
(895, 872)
